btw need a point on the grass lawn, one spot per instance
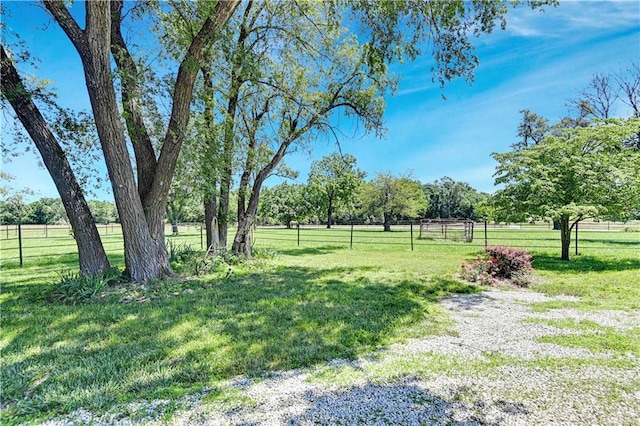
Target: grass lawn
(311, 303)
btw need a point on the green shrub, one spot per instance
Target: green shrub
(72, 287)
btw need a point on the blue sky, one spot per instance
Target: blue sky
(538, 63)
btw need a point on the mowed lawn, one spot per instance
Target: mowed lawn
(334, 294)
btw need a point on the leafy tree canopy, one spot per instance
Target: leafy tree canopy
(447, 198)
(586, 172)
(285, 203)
(392, 198)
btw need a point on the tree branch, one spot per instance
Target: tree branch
(68, 24)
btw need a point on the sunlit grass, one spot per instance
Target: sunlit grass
(324, 299)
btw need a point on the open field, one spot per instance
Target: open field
(40, 241)
(310, 304)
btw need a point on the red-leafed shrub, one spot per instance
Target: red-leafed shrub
(500, 264)
(503, 261)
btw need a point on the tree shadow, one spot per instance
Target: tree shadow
(468, 302)
(581, 263)
(401, 403)
(304, 251)
(611, 241)
(59, 358)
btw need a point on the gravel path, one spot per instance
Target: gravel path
(424, 381)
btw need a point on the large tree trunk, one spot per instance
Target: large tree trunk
(145, 255)
(141, 209)
(565, 236)
(242, 240)
(91, 255)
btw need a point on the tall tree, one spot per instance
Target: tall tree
(141, 197)
(141, 202)
(598, 98)
(333, 180)
(585, 173)
(392, 198)
(629, 94)
(92, 258)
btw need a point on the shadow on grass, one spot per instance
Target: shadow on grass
(58, 358)
(580, 264)
(611, 241)
(303, 251)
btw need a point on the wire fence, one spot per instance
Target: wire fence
(32, 243)
(591, 236)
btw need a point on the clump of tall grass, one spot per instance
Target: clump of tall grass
(73, 287)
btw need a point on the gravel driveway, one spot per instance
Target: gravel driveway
(489, 370)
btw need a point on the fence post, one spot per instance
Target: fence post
(20, 241)
(351, 240)
(576, 238)
(201, 238)
(298, 230)
(486, 240)
(46, 230)
(411, 235)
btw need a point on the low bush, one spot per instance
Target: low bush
(72, 287)
(500, 264)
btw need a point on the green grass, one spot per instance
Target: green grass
(317, 301)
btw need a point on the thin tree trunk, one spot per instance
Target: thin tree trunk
(329, 212)
(387, 222)
(565, 235)
(91, 255)
(210, 205)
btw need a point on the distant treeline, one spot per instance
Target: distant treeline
(283, 203)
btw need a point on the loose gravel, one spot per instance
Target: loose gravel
(536, 388)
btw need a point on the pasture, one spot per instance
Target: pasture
(311, 296)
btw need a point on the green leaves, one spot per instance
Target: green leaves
(394, 197)
(584, 173)
(333, 181)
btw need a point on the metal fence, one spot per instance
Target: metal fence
(31, 243)
(590, 235)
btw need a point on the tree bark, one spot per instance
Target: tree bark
(329, 212)
(210, 205)
(92, 258)
(565, 237)
(142, 217)
(387, 222)
(242, 240)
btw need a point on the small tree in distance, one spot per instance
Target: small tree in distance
(585, 173)
(285, 203)
(333, 181)
(392, 198)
